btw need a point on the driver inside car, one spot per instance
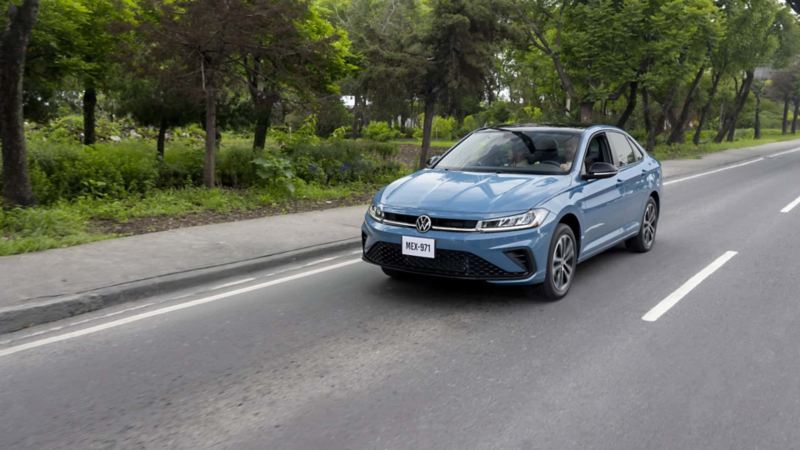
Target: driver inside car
(518, 155)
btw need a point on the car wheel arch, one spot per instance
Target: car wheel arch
(572, 221)
(657, 198)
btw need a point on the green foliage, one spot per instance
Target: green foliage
(443, 128)
(35, 229)
(337, 161)
(68, 171)
(275, 171)
(380, 131)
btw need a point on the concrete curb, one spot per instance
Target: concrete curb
(38, 312)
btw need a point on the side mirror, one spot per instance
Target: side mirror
(600, 170)
(433, 160)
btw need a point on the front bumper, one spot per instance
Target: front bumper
(509, 257)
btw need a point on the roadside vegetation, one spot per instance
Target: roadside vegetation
(128, 117)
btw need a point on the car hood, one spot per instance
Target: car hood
(471, 192)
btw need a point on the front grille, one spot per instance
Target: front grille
(436, 222)
(448, 263)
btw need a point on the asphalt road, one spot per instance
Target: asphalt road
(336, 355)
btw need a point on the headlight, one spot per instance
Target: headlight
(376, 212)
(530, 219)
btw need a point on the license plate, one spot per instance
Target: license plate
(414, 246)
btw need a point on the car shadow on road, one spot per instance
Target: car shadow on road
(450, 293)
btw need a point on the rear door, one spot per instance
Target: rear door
(631, 179)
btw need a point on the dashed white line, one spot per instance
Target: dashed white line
(664, 305)
(721, 169)
(791, 206)
(168, 309)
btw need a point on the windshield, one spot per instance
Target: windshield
(508, 150)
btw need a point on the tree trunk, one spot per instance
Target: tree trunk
(678, 134)
(648, 123)
(715, 79)
(358, 116)
(162, 137)
(13, 45)
(631, 106)
(89, 106)
(757, 124)
(566, 82)
(785, 121)
(263, 101)
(729, 126)
(586, 111)
(211, 137)
(794, 116)
(427, 125)
(260, 137)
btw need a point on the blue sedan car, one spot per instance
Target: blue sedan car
(517, 205)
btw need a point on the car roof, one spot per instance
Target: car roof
(577, 128)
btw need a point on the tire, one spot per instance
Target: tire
(643, 242)
(562, 262)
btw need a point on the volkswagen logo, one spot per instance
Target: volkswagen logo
(423, 224)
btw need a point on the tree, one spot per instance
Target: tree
(202, 37)
(16, 32)
(459, 43)
(298, 51)
(386, 39)
(150, 94)
(752, 42)
(75, 41)
(784, 88)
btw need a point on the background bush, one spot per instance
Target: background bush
(116, 170)
(380, 131)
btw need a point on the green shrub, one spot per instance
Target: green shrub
(182, 167)
(235, 167)
(275, 172)
(61, 171)
(380, 131)
(339, 161)
(442, 129)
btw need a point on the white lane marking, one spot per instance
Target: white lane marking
(791, 206)
(232, 283)
(319, 261)
(168, 309)
(672, 299)
(721, 169)
(776, 155)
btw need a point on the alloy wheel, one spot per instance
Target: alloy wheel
(563, 262)
(649, 225)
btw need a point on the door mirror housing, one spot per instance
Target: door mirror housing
(600, 170)
(433, 160)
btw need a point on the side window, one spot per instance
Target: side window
(623, 152)
(636, 150)
(597, 151)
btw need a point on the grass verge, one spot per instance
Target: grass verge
(91, 219)
(691, 151)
